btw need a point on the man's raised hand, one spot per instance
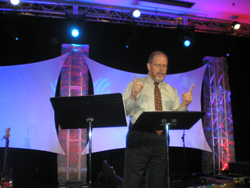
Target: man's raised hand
(136, 88)
(187, 98)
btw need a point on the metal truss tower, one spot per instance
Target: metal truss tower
(72, 167)
(218, 123)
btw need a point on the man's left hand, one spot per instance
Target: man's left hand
(187, 98)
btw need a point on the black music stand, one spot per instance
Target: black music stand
(81, 111)
(163, 120)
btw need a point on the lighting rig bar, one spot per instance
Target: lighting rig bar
(118, 15)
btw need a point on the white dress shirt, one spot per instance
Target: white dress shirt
(145, 99)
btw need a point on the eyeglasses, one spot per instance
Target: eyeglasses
(159, 65)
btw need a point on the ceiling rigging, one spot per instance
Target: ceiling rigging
(123, 15)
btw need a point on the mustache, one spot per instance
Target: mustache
(161, 73)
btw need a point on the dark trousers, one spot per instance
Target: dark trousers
(145, 151)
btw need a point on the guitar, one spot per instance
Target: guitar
(6, 181)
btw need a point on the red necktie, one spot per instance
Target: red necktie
(158, 105)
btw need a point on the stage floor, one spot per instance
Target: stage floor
(177, 181)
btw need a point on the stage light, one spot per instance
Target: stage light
(14, 2)
(75, 32)
(186, 35)
(235, 25)
(136, 13)
(187, 38)
(187, 43)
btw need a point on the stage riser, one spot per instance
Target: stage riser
(242, 168)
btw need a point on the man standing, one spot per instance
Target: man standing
(146, 150)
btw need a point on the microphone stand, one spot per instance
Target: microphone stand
(183, 141)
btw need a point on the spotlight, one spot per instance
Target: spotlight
(187, 43)
(186, 35)
(75, 29)
(187, 38)
(75, 33)
(14, 2)
(136, 13)
(235, 25)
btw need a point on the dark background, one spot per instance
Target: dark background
(41, 39)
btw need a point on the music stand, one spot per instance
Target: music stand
(81, 111)
(162, 120)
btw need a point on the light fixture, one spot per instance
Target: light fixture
(14, 2)
(235, 25)
(186, 34)
(75, 32)
(75, 29)
(136, 13)
(187, 43)
(187, 37)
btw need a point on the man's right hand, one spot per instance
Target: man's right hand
(136, 89)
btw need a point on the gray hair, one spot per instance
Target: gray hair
(153, 54)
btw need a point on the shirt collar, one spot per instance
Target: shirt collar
(151, 82)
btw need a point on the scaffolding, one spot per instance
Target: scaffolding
(122, 15)
(218, 123)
